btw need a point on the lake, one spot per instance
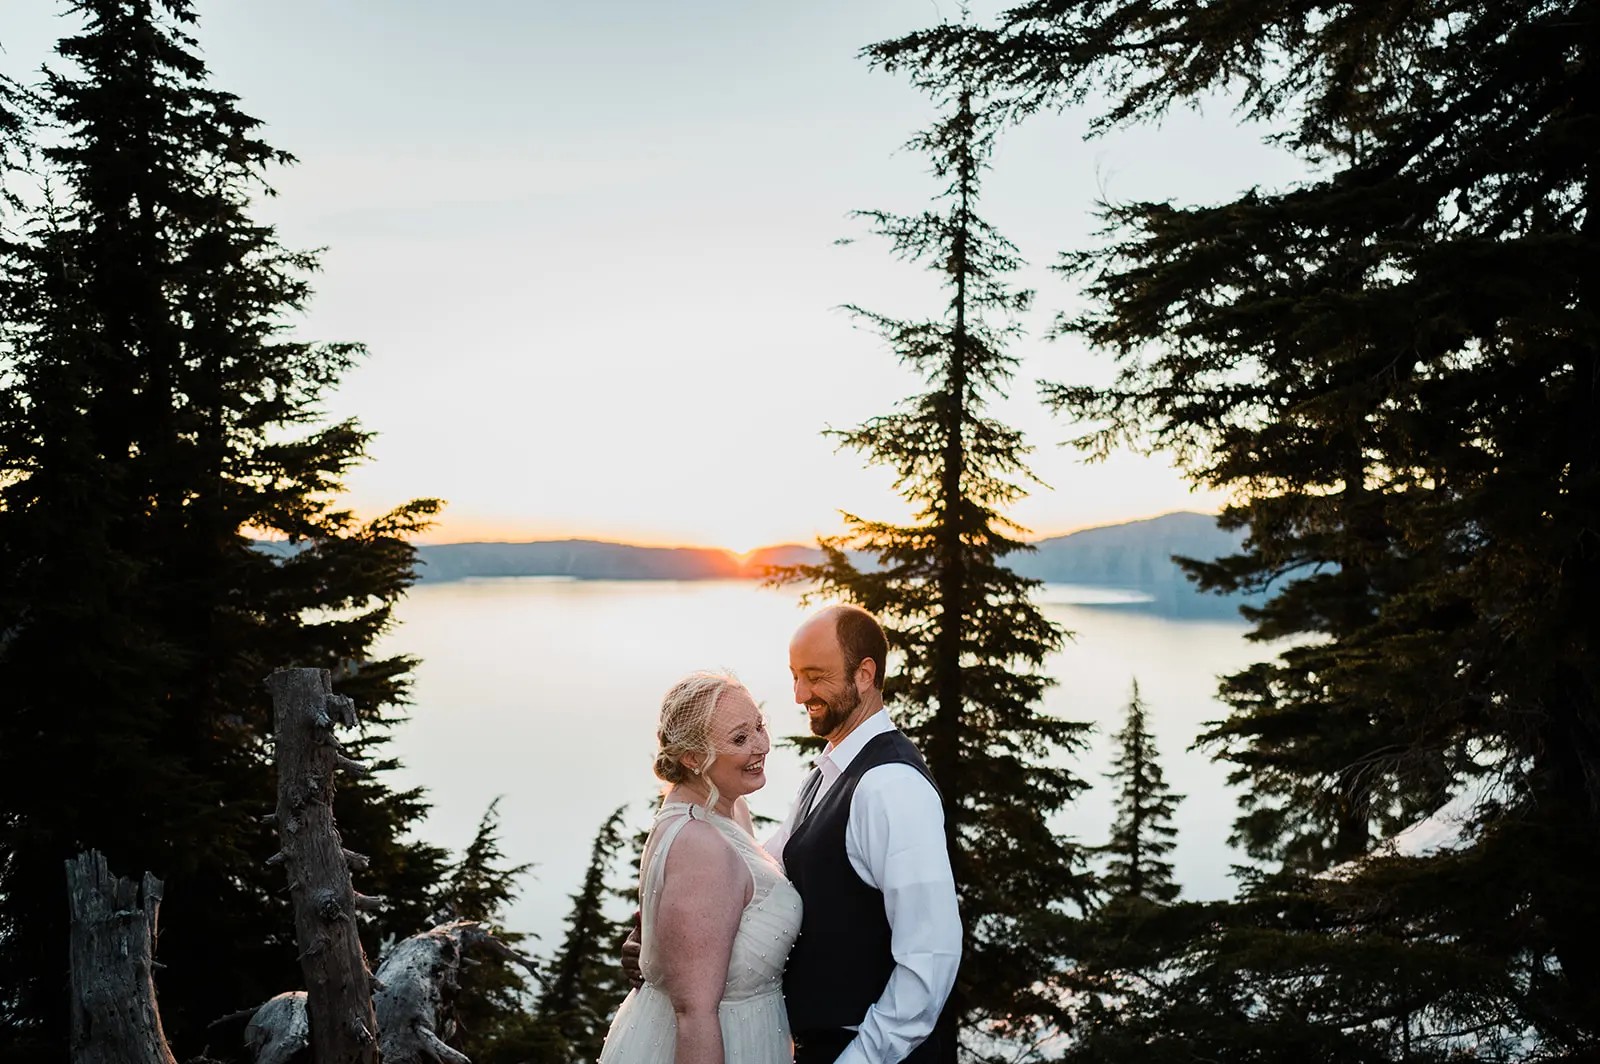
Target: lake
(544, 692)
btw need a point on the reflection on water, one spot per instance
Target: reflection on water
(1082, 595)
(546, 691)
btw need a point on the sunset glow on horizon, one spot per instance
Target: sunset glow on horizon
(448, 532)
(602, 298)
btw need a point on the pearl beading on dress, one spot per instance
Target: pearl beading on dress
(754, 1022)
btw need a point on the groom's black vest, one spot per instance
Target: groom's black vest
(841, 961)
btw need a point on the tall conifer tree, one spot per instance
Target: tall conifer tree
(15, 108)
(491, 1001)
(586, 985)
(156, 417)
(1395, 364)
(1142, 835)
(581, 985)
(971, 638)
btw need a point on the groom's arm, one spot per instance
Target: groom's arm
(895, 842)
(632, 950)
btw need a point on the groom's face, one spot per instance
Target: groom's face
(827, 714)
(816, 661)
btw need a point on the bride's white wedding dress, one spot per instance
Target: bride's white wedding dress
(755, 1027)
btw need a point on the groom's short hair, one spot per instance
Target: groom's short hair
(861, 637)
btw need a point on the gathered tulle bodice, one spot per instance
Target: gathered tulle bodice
(770, 921)
(755, 1027)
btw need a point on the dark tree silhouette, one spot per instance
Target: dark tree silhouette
(582, 984)
(586, 985)
(971, 638)
(492, 997)
(1142, 835)
(16, 109)
(1393, 365)
(157, 419)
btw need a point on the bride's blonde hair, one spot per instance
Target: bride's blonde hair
(685, 728)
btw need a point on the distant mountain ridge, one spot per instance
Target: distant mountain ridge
(1136, 556)
(582, 559)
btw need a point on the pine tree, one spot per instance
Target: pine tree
(492, 997)
(15, 110)
(157, 417)
(1393, 365)
(582, 984)
(12, 122)
(586, 984)
(1143, 834)
(971, 638)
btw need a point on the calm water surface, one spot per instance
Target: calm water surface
(545, 691)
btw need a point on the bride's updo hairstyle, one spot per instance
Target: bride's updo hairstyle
(686, 728)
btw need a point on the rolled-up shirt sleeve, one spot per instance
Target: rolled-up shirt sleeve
(895, 842)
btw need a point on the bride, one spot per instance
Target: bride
(717, 915)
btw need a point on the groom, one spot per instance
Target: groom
(880, 937)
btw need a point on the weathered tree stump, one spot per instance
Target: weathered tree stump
(114, 1015)
(343, 1025)
(414, 985)
(278, 1032)
(416, 981)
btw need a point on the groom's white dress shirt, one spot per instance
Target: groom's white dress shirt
(894, 839)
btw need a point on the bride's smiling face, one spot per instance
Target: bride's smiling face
(739, 736)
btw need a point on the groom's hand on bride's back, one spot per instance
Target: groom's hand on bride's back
(630, 955)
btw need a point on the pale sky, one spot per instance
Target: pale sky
(592, 250)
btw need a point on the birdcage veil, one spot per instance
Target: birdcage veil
(685, 727)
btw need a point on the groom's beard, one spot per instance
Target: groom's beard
(834, 713)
